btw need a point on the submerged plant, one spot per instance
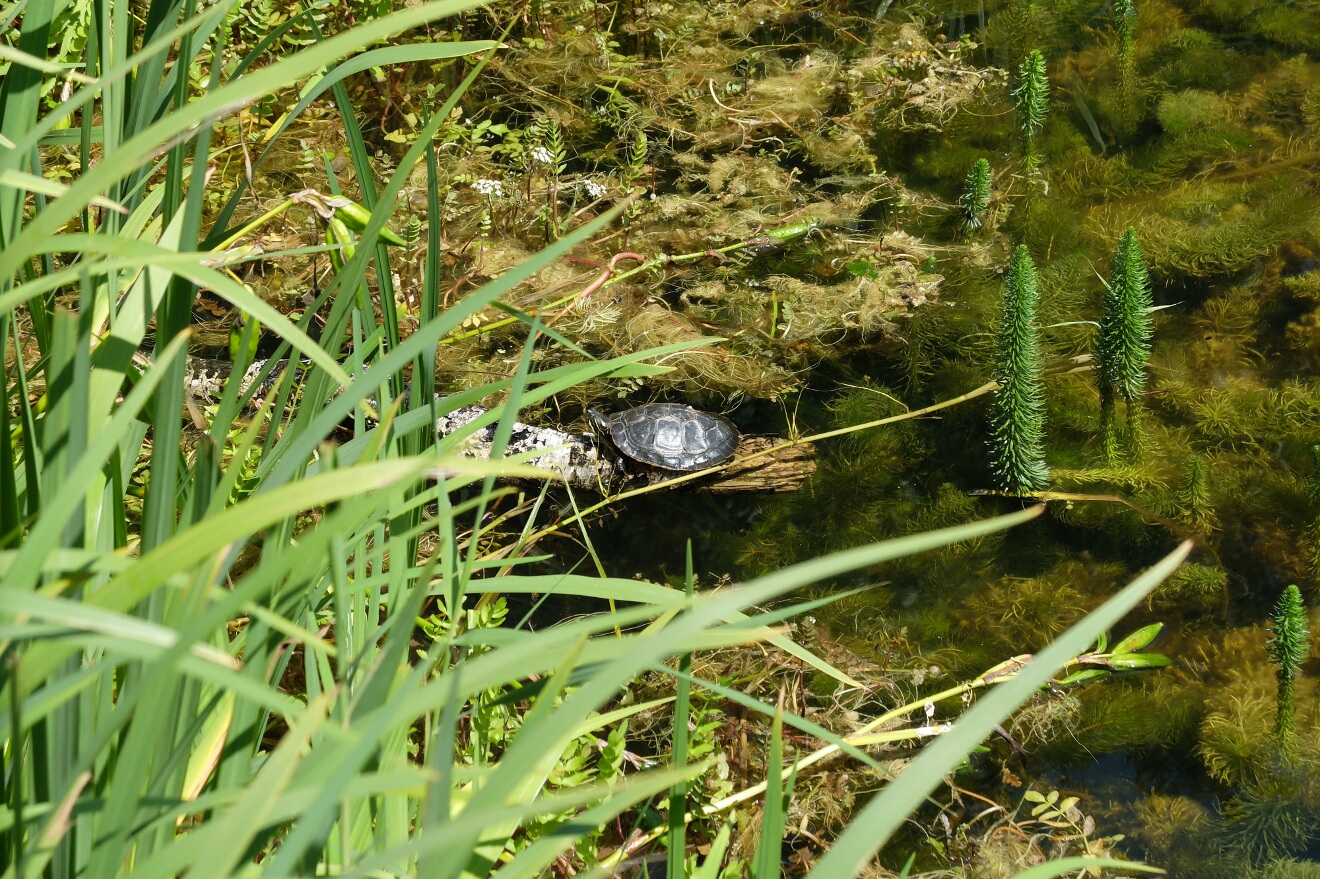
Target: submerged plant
(1287, 648)
(1313, 495)
(1193, 494)
(1017, 414)
(1123, 347)
(1263, 824)
(633, 171)
(1033, 104)
(1124, 14)
(975, 200)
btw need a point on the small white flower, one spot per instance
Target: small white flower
(541, 155)
(594, 190)
(489, 188)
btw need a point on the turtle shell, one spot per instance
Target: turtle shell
(673, 437)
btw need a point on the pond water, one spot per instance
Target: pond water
(1198, 129)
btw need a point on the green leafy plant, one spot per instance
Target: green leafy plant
(1017, 409)
(1290, 641)
(975, 198)
(1127, 655)
(1123, 344)
(1032, 95)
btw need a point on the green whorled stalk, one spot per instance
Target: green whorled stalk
(1032, 94)
(1193, 494)
(975, 200)
(1124, 16)
(1017, 414)
(1123, 346)
(1287, 648)
(1313, 495)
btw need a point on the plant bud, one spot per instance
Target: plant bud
(356, 217)
(1139, 640)
(336, 232)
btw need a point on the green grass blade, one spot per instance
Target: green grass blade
(142, 145)
(1051, 869)
(769, 848)
(676, 844)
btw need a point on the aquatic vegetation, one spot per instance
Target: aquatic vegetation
(975, 199)
(1194, 587)
(1020, 611)
(1287, 868)
(1111, 718)
(1195, 502)
(1288, 647)
(1017, 414)
(1233, 736)
(1202, 231)
(1177, 832)
(1269, 827)
(1273, 819)
(1123, 344)
(1123, 15)
(1190, 109)
(1032, 96)
(1313, 498)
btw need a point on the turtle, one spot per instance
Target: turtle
(668, 435)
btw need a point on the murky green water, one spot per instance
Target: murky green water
(1203, 139)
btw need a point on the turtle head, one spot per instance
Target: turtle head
(599, 421)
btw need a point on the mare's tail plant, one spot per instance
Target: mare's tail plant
(1313, 495)
(1288, 645)
(1017, 414)
(1195, 502)
(1032, 94)
(1123, 347)
(975, 200)
(1124, 13)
